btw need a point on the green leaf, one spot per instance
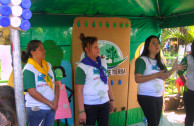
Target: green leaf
(93, 24)
(121, 25)
(107, 24)
(78, 24)
(100, 24)
(86, 24)
(115, 24)
(107, 50)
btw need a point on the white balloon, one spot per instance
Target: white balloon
(15, 21)
(16, 10)
(15, 2)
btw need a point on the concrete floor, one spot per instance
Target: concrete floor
(174, 117)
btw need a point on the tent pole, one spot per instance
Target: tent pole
(18, 81)
(158, 6)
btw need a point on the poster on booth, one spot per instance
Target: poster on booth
(113, 36)
(63, 110)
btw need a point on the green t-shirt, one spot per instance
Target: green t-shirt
(32, 78)
(140, 66)
(80, 76)
(147, 66)
(95, 91)
(184, 61)
(28, 80)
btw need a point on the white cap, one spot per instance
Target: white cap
(16, 2)
(16, 10)
(15, 21)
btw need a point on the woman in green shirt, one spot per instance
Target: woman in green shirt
(188, 94)
(42, 88)
(93, 86)
(150, 71)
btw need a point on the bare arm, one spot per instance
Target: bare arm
(175, 67)
(56, 100)
(162, 74)
(110, 94)
(57, 91)
(37, 96)
(82, 114)
(140, 78)
(79, 88)
(182, 78)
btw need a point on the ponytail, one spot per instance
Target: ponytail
(25, 56)
(83, 40)
(87, 41)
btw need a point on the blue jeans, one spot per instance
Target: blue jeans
(43, 117)
(99, 113)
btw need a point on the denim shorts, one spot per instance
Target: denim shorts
(39, 117)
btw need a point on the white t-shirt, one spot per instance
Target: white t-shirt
(95, 91)
(32, 78)
(190, 72)
(153, 87)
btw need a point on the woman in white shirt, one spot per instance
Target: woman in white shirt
(150, 71)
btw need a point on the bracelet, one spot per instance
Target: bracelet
(111, 99)
(81, 111)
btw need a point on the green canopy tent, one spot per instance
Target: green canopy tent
(164, 11)
(147, 16)
(53, 20)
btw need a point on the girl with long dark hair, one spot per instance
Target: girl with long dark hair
(150, 71)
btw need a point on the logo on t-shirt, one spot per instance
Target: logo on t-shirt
(113, 56)
(155, 67)
(41, 77)
(96, 71)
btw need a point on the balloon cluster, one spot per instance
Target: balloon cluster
(15, 13)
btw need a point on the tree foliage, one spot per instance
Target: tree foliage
(187, 36)
(111, 54)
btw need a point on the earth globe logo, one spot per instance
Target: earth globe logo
(111, 52)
